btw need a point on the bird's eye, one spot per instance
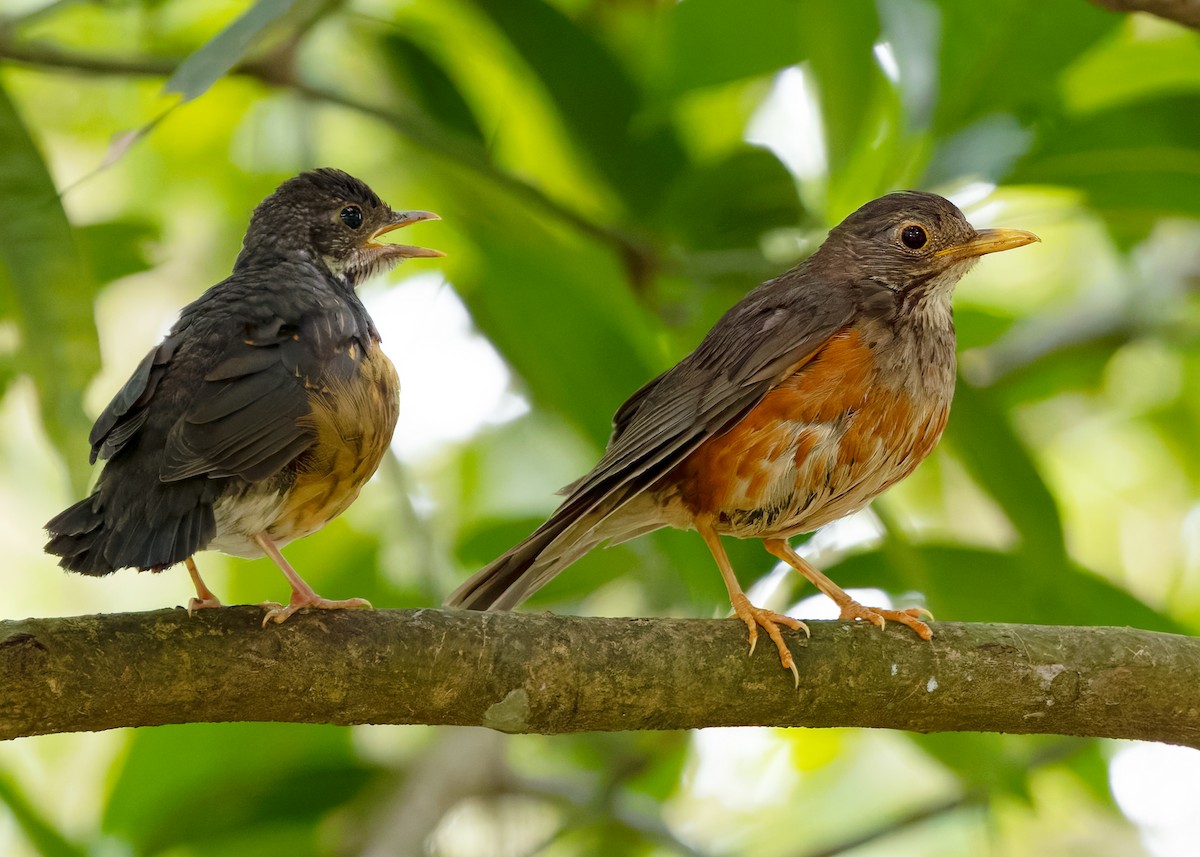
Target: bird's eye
(914, 237)
(352, 216)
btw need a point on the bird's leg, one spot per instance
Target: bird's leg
(204, 597)
(302, 594)
(747, 612)
(850, 608)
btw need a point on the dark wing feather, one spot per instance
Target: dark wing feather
(250, 416)
(127, 411)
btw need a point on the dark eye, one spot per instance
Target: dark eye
(352, 216)
(914, 237)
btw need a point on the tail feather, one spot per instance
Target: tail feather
(511, 578)
(89, 540)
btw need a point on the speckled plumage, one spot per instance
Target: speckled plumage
(270, 383)
(814, 393)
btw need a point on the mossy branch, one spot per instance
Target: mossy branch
(521, 672)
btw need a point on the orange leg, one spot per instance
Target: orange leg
(302, 594)
(747, 612)
(204, 597)
(851, 609)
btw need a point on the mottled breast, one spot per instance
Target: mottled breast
(820, 445)
(354, 421)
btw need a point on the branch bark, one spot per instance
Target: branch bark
(1186, 12)
(520, 672)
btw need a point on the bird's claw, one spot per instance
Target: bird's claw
(769, 620)
(910, 616)
(278, 613)
(195, 604)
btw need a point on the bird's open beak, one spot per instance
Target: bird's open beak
(404, 251)
(988, 241)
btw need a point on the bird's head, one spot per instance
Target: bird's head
(335, 218)
(914, 241)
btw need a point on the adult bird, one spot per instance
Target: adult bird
(817, 391)
(263, 412)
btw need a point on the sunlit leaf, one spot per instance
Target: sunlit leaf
(983, 438)
(48, 288)
(211, 62)
(1134, 163)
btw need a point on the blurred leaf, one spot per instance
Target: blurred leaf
(993, 763)
(706, 50)
(839, 45)
(48, 288)
(561, 314)
(210, 63)
(1131, 67)
(38, 832)
(429, 85)
(984, 440)
(732, 202)
(1134, 163)
(596, 99)
(971, 585)
(116, 248)
(1007, 56)
(214, 781)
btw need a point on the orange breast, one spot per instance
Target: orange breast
(354, 422)
(819, 446)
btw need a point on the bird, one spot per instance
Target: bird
(264, 410)
(814, 393)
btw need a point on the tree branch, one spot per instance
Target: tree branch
(1186, 12)
(520, 672)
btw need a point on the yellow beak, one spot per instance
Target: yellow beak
(988, 241)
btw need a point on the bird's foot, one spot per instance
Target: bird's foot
(880, 616)
(281, 613)
(769, 620)
(195, 604)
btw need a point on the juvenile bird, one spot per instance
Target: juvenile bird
(263, 412)
(817, 391)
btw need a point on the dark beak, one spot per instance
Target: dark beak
(404, 251)
(988, 241)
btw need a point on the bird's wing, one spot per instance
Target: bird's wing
(251, 414)
(127, 411)
(762, 340)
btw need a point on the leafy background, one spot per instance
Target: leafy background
(612, 175)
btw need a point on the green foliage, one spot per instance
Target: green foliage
(601, 209)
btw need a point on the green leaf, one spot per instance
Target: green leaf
(839, 46)
(596, 98)
(116, 248)
(1134, 163)
(705, 50)
(562, 316)
(428, 84)
(204, 67)
(177, 784)
(984, 440)
(1008, 55)
(972, 585)
(48, 289)
(731, 203)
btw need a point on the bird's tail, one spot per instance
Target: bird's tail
(91, 541)
(511, 578)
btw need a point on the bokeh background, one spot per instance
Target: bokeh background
(612, 175)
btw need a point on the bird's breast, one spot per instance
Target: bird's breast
(353, 419)
(820, 445)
